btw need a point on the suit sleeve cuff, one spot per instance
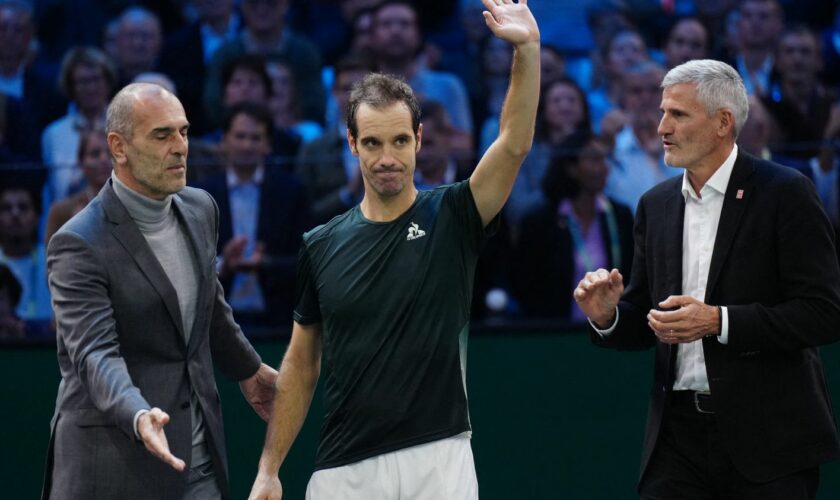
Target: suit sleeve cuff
(723, 338)
(134, 425)
(608, 331)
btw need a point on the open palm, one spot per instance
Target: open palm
(512, 22)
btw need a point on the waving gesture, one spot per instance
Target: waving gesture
(512, 22)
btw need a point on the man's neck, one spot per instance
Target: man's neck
(700, 175)
(378, 209)
(244, 173)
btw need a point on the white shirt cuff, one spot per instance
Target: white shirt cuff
(723, 338)
(136, 417)
(608, 331)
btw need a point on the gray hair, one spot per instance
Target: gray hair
(719, 86)
(120, 115)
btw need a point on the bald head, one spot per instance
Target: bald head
(147, 135)
(120, 117)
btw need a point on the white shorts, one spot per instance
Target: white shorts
(439, 470)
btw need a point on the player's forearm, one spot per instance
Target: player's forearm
(519, 112)
(295, 388)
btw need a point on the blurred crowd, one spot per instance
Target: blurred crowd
(265, 84)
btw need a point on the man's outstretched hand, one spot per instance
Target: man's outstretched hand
(150, 429)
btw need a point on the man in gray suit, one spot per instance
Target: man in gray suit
(141, 321)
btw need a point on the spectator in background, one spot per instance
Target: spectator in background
(687, 40)
(574, 228)
(87, 79)
(187, 53)
(109, 38)
(284, 104)
(496, 67)
(139, 38)
(715, 16)
(760, 22)
(604, 18)
(157, 78)
(95, 163)
(11, 327)
(262, 216)
(246, 79)
(496, 57)
(754, 136)
(471, 70)
(436, 166)
(24, 75)
(638, 164)
(830, 44)
(397, 42)
(326, 165)
(624, 49)
(552, 63)
(266, 35)
(20, 251)
(360, 46)
(563, 111)
(799, 105)
(327, 23)
(361, 34)
(19, 140)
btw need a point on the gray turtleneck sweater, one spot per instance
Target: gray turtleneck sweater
(170, 244)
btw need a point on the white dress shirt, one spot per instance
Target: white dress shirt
(700, 224)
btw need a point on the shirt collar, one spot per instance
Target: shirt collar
(233, 180)
(718, 181)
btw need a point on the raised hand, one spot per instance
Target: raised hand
(598, 294)
(512, 22)
(150, 429)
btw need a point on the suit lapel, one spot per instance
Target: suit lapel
(191, 222)
(674, 217)
(673, 227)
(128, 234)
(737, 196)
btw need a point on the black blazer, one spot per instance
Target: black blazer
(284, 215)
(545, 278)
(774, 266)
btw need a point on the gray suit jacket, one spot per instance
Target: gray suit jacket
(121, 349)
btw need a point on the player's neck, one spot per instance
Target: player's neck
(385, 209)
